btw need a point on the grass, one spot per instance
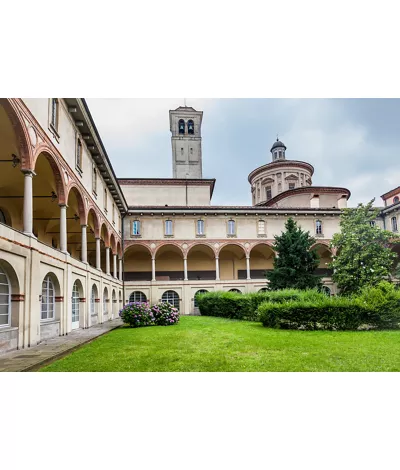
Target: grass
(217, 345)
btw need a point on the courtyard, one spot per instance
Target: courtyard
(209, 344)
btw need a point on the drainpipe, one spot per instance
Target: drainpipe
(123, 267)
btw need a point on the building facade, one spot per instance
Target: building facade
(76, 243)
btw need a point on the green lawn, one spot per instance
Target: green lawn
(216, 344)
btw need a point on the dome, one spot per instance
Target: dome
(277, 144)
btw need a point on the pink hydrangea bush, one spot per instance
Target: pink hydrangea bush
(136, 314)
(165, 314)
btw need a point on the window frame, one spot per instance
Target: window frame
(79, 156)
(93, 293)
(319, 228)
(138, 293)
(268, 189)
(166, 234)
(228, 231)
(105, 301)
(139, 234)
(263, 233)
(203, 232)
(394, 225)
(50, 302)
(8, 296)
(105, 202)
(94, 180)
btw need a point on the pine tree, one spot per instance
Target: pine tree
(364, 255)
(295, 262)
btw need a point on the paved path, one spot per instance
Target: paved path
(32, 358)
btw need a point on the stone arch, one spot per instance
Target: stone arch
(14, 300)
(229, 243)
(21, 133)
(137, 262)
(113, 244)
(94, 218)
(132, 245)
(56, 168)
(105, 234)
(119, 249)
(166, 245)
(326, 256)
(201, 262)
(50, 331)
(262, 257)
(83, 216)
(169, 262)
(232, 261)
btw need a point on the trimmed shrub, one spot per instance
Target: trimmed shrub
(136, 314)
(165, 314)
(244, 306)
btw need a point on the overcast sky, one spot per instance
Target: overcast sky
(352, 143)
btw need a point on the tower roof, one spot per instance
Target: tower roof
(277, 144)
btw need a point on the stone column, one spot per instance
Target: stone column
(63, 228)
(115, 266)
(28, 202)
(120, 269)
(108, 260)
(98, 254)
(84, 244)
(185, 276)
(153, 269)
(248, 267)
(217, 268)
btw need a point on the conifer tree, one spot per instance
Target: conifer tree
(295, 263)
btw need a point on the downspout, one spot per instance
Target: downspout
(123, 258)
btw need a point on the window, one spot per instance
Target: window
(276, 155)
(268, 192)
(394, 224)
(231, 227)
(199, 292)
(137, 296)
(181, 126)
(395, 199)
(94, 181)
(54, 113)
(372, 223)
(113, 214)
(280, 153)
(292, 185)
(168, 227)
(93, 297)
(105, 302)
(200, 227)
(263, 289)
(48, 299)
(75, 303)
(326, 290)
(105, 200)
(261, 227)
(235, 290)
(190, 127)
(191, 151)
(182, 151)
(318, 227)
(136, 227)
(171, 297)
(79, 155)
(5, 299)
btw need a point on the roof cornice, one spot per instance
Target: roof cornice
(281, 163)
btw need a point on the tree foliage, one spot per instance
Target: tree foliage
(295, 263)
(364, 255)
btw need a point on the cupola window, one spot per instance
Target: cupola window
(268, 193)
(190, 127)
(181, 126)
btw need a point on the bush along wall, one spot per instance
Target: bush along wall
(244, 306)
(137, 314)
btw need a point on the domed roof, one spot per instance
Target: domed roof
(277, 144)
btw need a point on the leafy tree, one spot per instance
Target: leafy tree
(363, 249)
(295, 264)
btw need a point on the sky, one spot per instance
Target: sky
(352, 143)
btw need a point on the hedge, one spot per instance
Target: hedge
(244, 306)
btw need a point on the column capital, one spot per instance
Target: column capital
(63, 205)
(27, 172)
(84, 225)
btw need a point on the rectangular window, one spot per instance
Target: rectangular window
(113, 214)
(94, 181)
(268, 192)
(200, 227)
(54, 113)
(231, 227)
(394, 224)
(318, 227)
(168, 227)
(292, 185)
(261, 227)
(105, 200)
(136, 227)
(372, 223)
(79, 155)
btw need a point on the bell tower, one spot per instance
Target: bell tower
(185, 127)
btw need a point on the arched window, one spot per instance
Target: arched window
(75, 305)
(199, 292)
(93, 297)
(268, 192)
(171, 297)
(395, 199)
(200, 227)
(181, 126)
(137, 296)
(326, 290)
(263, 289)
(394, 224)
(168, 227)
(276, 155)
(2, 217)
(190, 127)
(318, 227)
(5, 299)
(105, 301)
(235, 290)
(48, 299)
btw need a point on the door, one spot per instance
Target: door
(75, 307)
